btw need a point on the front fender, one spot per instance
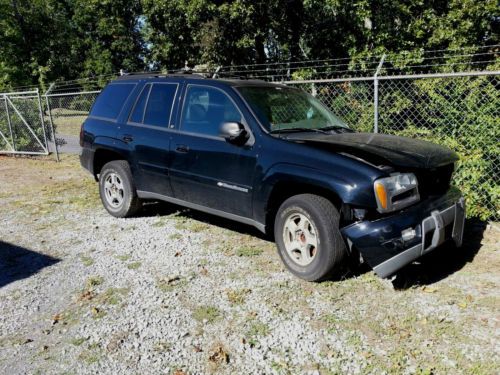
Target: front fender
(351, 187)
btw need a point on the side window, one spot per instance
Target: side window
(205, 109)
(138, 111)
(159, 107)
(110, 101)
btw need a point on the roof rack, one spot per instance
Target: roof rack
(139, 75)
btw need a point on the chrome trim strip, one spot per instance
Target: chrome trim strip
(208, 210)
(232, 187)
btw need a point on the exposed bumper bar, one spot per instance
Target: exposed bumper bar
(433, 227)
(391, 242)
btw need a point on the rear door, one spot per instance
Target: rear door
(147, 133)
(205, 169)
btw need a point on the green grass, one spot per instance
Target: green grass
(257, 329)
(113, 296)
(134, 265)
(208, 313)
(86, 260)
(248, 251)
(237, 297)
(78, 341)
(93, 281)
(170, 284)
(123, 258)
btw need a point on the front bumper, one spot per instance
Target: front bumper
(383, 246)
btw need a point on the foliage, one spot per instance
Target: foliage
(432, 109)
(45, 40)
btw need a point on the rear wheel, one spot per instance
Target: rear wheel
(117, 189)
(307, 234)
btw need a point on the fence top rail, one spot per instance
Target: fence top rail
(408, 76)
(33, 92)
(73, 93)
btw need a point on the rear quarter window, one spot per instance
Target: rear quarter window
(111, 100)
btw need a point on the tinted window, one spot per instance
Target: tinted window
(110, 101)
(159, 105)
(138, 112)
(205, 109)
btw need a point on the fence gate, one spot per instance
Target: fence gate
(22, 126)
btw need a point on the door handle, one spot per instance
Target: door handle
(127, 138)
(182, 148)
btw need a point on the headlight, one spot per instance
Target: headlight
(396, 192)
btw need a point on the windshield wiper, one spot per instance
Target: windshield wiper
(296, 130)
(335, 127)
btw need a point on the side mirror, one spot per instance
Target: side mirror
(234, 132)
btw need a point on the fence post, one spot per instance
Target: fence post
(50, 120)
(375, 94)
(41, 119)
(10, 125)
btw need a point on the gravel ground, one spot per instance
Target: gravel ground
(178, 292)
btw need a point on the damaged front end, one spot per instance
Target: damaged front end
(393, 241)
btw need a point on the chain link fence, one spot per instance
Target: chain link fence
(457, 110)
(22, 124)
(67, 112)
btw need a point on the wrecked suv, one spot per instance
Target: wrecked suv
(276, 158)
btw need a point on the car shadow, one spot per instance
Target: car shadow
(18, 263)
(443, 261)
(164, 209)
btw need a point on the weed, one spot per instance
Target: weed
(86, 260)
(257, 329)
(134, 265)
(169, 284)
(123, 258)
(113, 296)
(248, 251)
(78, 341)
(206, 313)
(237, 297)
(93, 281)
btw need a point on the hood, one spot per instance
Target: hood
(381, 148)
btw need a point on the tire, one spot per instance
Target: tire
(310, 223)
(120, 200)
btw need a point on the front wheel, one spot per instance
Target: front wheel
(306, 230)
(117, 189)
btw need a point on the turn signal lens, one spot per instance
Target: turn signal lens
(381, 195)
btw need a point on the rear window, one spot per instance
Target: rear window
(110, 101)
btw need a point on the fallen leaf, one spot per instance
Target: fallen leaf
(427, 289)
(219, 355)
(462, 305)
(87, 295)
(56, 318)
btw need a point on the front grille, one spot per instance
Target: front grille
(434, 181)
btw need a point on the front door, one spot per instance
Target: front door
(205, 169)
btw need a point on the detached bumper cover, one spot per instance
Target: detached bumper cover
(432, 222)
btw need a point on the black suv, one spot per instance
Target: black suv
(276, 158)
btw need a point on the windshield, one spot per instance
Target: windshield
(287, 109)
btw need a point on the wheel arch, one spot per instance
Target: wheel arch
(284, 189)
(103, 156)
